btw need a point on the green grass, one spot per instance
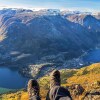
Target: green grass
(5, 90)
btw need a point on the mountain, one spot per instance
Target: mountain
(29, 37)
(97, 15)
(87, 21)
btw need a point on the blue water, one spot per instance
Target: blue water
(92, 56)
(10, 78)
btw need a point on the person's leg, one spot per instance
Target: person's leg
(33, 90)
(59, 93)
(56, 91)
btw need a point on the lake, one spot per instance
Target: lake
(10, 78)
(92, 56)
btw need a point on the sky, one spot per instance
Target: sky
(86, 5)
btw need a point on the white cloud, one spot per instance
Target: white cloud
(39, 8)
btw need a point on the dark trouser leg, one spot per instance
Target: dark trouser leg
(35, 98)
(58, 93)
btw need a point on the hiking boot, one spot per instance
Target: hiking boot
(55, 79)
(33, 88)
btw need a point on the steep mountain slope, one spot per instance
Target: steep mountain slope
(87, 21)
(28, 36)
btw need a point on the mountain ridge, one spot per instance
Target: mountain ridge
(41, 38)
